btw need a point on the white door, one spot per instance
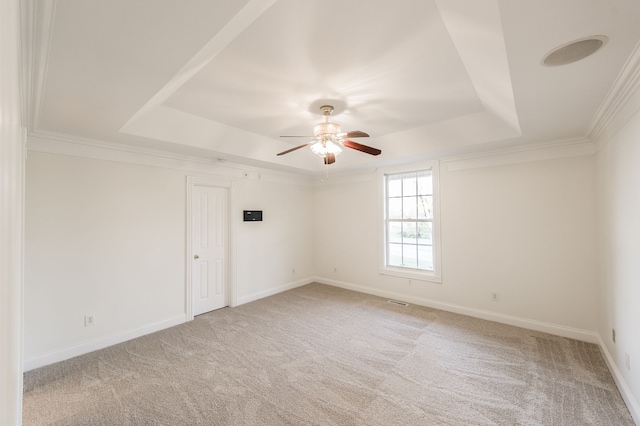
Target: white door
(209, 248)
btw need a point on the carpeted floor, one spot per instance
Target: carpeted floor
(320, 355)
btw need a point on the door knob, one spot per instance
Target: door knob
(195, 256)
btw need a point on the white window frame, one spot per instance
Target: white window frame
(405, 272)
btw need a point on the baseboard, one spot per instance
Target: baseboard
(100, 343)
(103, 342)
(627, 395)
(529, 324)
(273, 291)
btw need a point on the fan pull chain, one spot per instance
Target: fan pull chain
(326, 168)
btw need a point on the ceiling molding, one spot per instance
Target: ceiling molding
(551, 150)
(520, 154)
(622, 101)
(52, 143)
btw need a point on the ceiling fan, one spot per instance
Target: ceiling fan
(328, 137)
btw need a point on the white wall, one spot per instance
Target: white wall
(268, 252)
(102, 238)
(108, 238)
(618, 196)
(523, 230)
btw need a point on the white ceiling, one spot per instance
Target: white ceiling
(225, 79)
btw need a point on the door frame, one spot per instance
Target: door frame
(230, 282)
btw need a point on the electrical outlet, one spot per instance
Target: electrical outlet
(335, 269)
(89, 320)
(495, 296)
(627, 361)
(410, 283)
(293, 270)
(613, 335)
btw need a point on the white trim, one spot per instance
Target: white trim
(548, 150)
(418, 275)
(529, 324)
(12, 184)
(54, 143)
(100, 343)
(266, 293)
(431, 276)
(521, 154)
(59, 144)
(620, 104)
(231, 283)
(627, 395)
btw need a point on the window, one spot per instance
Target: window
(410, 212)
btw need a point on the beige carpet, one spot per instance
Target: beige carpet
(320, 355)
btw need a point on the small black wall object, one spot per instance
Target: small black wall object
(253, 215)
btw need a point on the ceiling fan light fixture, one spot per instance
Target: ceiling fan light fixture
(328, 140)
(326, 128)
(321, 149)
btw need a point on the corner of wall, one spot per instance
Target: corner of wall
(627, 395)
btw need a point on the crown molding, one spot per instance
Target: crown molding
(620, 104)
(54, 143)
(549, 150)
(60, 144)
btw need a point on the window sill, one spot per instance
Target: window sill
(414, 274)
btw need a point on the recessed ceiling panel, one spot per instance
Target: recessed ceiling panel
(386, 74)
(225, 78)
(107, 58)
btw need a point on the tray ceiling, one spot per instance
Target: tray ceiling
(225, 79)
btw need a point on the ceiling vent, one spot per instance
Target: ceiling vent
(574, 51)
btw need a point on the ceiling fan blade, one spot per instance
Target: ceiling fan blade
(362, 148)
(356, 134)
(330, 158)
(297, 147)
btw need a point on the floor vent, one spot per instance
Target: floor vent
(397, 302)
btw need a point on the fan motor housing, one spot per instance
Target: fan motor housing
(326, 129)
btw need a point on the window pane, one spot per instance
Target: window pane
(409, 208)
(394, 186)
(424, 233)
(409, 233)
(409, 256)
(425, 207)
(425, 258)
(395, 232)
(409, 184)
(395, 254)
(395, 208)
(425, 183)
